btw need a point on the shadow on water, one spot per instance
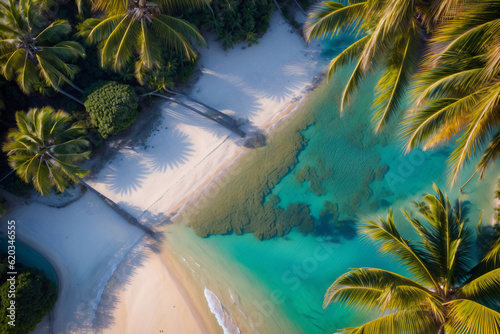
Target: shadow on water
(336, 231)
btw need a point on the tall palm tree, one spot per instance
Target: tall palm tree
(457, 94)
(445, 294)
(34, 55)
(139, 29)
(391, 33)
(45, 147)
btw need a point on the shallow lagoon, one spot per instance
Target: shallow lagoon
(29, 257)
(277, 285)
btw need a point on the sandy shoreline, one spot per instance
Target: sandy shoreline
(116, 280)
(212, 161)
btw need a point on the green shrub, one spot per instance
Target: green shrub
(35, 296)
(112, 106)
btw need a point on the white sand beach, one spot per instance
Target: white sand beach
(151, 291)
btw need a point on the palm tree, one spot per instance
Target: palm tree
(34, 55)
(45, 147)
(391, 35)
(445, 295)
(457, 95)
(139, 29)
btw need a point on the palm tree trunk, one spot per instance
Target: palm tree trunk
(278, 6)
(300, 7)
(69, 95)
(462, 187)
(225, 124)
(118, 209)
(75, 87)
(229, 118)
(3, 178)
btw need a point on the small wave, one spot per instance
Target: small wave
(223, 317)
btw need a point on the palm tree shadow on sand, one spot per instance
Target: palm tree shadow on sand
(124, 181)
(176, 152)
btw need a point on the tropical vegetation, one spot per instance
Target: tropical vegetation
(139, 30)
(236, 21)
(457, 92)
(446, 292)
(389, 35)
(112, 107)
(35, 294)
(44, 149)
(34, 54)
(133, 43)
(454, 83)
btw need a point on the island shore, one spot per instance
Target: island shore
(259, 85)
(114, 279)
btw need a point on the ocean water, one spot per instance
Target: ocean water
(277, 285)
(29, 257)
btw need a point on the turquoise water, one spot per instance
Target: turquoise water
(29, 257)
(278, 285)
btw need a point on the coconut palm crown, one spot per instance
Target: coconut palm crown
(139, 29)
(44, 149)
(446, 294)
(457, 94)
(32, 54)
(391, 35)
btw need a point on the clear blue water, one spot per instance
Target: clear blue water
(278, 285)
(29, 257)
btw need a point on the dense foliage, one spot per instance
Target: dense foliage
(35, 296)
(236, 21)
(112, 106)
(174, 68)
(447, 293)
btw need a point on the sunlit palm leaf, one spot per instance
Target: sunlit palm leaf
(485, 114)
(330, 18)
(44, 149)
(399, 67)
(469, 317)
(391, 242)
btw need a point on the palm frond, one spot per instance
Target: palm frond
(385, 234)
(491, 153)
(330, 18)
(396, 323)
(469, 317)
(399, 67)
(347, 56)
(474, 135)
(484, 289)
(54, 32)
(175, 34)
